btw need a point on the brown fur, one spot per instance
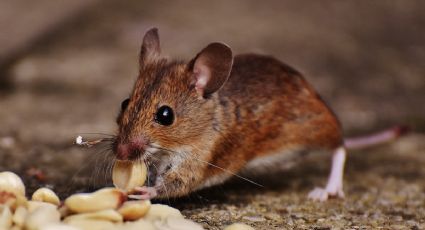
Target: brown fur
(264, 107)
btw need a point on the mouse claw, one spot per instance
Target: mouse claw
(144, 193)
(322, 194)
(318, 194)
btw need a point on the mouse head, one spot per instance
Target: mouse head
(173, 104)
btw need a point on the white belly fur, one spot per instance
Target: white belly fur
(278, 161)
(281, 160)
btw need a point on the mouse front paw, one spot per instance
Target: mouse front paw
(144, 193)
(323, 194)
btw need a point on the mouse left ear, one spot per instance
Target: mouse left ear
(150, 49)
(211, 68)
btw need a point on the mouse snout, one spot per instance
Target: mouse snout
(130, 150)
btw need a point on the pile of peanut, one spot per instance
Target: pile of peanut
(104, 209)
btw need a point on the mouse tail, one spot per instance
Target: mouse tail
(376, 138)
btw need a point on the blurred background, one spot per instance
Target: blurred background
(65, 67)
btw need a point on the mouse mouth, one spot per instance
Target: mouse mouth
(157, 160)
(132, 149)
(136, 154)
(128, 152)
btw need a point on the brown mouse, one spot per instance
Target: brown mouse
(197, 124)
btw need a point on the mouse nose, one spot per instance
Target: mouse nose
(131, 149)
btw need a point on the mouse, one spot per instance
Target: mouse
(198, 123)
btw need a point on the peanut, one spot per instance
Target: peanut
(46, 195)
(177, 223)
(10, 182)
(161, 212)
(87, 224)
(238, 226)
(128, 175)
(106, 198)
(42, 216)
(5, 217)
(134, 210)
(58, 227)
(19, 216)
(136, 225)
(33, 205)
(109, 215)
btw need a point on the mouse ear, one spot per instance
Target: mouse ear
(150, 46)
(211, 68)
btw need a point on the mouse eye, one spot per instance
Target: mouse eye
(124, 104)
(164, 115)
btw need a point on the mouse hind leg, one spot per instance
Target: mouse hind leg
(334, 186)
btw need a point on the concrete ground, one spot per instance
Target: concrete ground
(366, 59)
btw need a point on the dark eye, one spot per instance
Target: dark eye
(124, 104)
(164, 115)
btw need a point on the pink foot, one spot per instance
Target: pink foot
(144, 193)
(334, 186)
(323, 194)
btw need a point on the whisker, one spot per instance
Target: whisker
(96, 179)
(230, 172)
(104, 134)
(211, 164)
(157, 170)
(86, 163)
(109, 164)
(147, 174)
(79, 141)
(163, 185)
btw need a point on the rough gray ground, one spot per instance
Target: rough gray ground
(366, 59)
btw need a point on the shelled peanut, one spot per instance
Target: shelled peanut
(107, 208)
(104, 209)
(128, 175)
